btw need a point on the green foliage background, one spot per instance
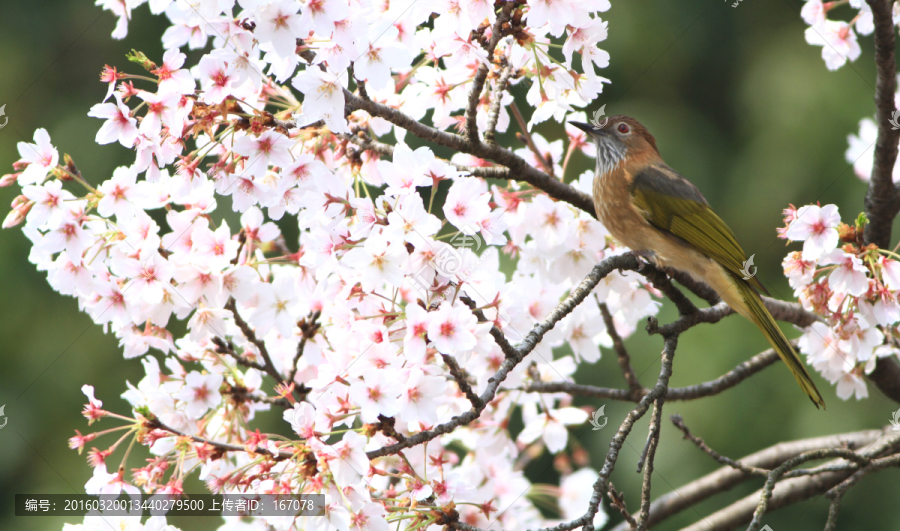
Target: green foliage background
(738, 102)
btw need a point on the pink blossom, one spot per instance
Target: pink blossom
(377, 262)
(850, 274)
(324, 97)
(467, 203)
(200, 392)
(119, 125)
(279, 24)
(451, 327)
(269, 148)
(173, 78)
(817, 228)
(213, 249)
(49, 203)
(40, 156)
(347, 459)
(838, 42)
(550, 425)
(376, 394)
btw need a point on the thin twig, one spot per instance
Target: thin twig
(679, 423)
(308, 328)
(497, 103)
(617, 500)
(497, 33)
(248, 332)
(525, 136)
(278, 456)
(649, 452)
(461, 381)
(634, 385)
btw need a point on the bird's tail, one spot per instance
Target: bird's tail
(751, 306)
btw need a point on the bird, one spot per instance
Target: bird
(656, 212)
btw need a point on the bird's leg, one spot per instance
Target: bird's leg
(648, 258)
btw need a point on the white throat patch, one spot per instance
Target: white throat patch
(609, 155)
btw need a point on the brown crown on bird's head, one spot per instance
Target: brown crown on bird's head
(621, 137)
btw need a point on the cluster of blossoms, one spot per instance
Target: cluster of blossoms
(838, 38)
(371, 327)
(852, 285)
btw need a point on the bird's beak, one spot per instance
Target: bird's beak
(587, 128)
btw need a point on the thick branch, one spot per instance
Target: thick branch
(883, 198)
(727, 478)
(519, 169)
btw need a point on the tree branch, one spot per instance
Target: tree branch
(518, 168)
(248, 332)
(634, 385)
(514, 355)
(883, 198)
(278, 456)
(481, 75)
(497, 103)
(727, 477)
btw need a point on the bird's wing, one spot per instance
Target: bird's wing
(673, 204)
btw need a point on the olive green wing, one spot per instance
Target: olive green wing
(673, 204)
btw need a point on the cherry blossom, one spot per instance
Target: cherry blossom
(451, 328)
(200, 392)
(41, 157)
(324, 97)
(838, 42)
(119, 125)
(817, 227)
(550, 426)
(849, 276)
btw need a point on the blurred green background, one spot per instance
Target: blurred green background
(738, 102)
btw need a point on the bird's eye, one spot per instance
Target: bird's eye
(623, 128)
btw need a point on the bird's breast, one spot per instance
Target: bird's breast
(612, 201)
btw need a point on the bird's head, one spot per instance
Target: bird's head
(620, 138)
